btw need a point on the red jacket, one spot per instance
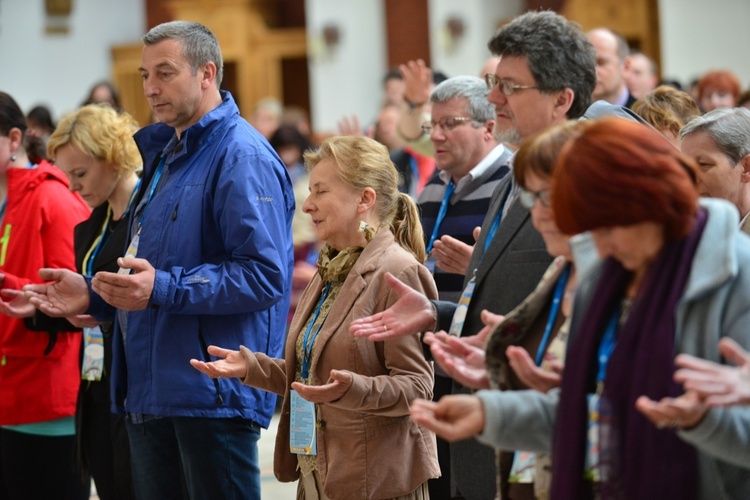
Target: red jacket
(37, 231)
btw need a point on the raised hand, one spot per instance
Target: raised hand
(336, 386)
(66, 295)
(232, 364)
(412, 313)
(452, 418)
(717, 384)
(531, 375)
(417, 81)
(349, 125)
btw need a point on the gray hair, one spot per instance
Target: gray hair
(729, 128)
(557, 51)
(471, 88)
(200, 46)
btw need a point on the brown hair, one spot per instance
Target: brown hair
(619, 173)
(537, 155)
(721, 80)
(667, 108)
(12, 117)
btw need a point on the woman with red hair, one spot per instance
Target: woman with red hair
(674, 278)
(718, 89)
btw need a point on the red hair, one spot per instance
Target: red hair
(619, 173)
(722, 80)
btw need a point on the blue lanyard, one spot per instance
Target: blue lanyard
(607, 345)
(153, 185)
(496, 222)
(414, 170)
(441, 213)
(554, 309)
(308, 346)
(90, 257)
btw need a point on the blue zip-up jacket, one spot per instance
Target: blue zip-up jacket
(218, 232)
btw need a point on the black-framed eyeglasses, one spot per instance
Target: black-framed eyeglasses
(528, 198)
(447, 123)
(506, 86)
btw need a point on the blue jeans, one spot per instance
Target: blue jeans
(198, 458)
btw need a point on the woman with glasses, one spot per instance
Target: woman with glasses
(674, 278)
(526, 350)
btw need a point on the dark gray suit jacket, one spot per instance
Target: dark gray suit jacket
(515, 262)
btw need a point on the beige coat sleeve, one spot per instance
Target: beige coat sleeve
(409, 376)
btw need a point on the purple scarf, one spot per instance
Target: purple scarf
(644, 461)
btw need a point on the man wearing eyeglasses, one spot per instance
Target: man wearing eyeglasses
(470, 163)
(546, 75)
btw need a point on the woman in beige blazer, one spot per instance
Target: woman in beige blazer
(345, 431)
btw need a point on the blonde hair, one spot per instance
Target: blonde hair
(361, 163)
(667, 108)
(99, 132)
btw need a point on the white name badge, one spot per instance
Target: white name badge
(93, 354)
(302, 432)
(132, 251)
(459, 316)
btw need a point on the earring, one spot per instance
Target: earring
(13, 158)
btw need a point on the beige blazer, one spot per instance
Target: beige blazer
(368, 447)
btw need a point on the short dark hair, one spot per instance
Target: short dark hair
(199, 44)
(557, 51)
(12, 117)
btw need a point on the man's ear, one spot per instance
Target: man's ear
(489, 129)
(208, 75)
(745, 165)
(564, 101)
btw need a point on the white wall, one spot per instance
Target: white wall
(58, 70)
(348, 80)
(480, 19)
(697, 36)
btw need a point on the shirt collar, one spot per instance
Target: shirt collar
(478, 170)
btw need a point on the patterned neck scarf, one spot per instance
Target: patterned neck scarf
(334, 265)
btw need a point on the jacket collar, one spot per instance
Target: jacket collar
(715, 260)
(158, 138)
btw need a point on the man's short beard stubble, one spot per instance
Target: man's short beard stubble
(508, 136)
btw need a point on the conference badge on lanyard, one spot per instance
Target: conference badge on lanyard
(132, 250)
(93, 354)
(459, 316)
(302, 433)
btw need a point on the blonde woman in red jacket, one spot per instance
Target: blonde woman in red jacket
(39, 373)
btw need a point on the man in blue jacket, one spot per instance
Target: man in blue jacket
(209, 262)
